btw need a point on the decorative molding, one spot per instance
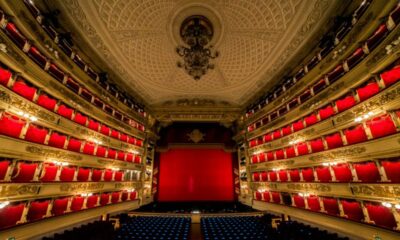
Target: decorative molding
(80, 187)
(16, 190)
(55, 154)
(354, 151)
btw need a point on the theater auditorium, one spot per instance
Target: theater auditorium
(200, 119)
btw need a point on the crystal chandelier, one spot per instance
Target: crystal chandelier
(196, 32)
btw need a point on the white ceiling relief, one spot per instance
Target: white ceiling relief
(137, 39)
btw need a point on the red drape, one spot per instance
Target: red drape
(323, 173)
(24, 172)
(10, 215)
(317, 145)
(345, 103)
(331, 206)
(77, 203)
(273, 177)
(313, 203)
(353, 210)
(46, 102)
(381, 126)
(5, 76)
(367, 91)
(391, 76)
(83, 174)
(67, 174)
(35, 134)
(382, 216)
(57, 140)
(342, 173)
(3, 168)
(367, 172)
(294, 175)
(308, 174)
(392, 169)
(11, 125)
(355, 134)
(59, 206)
(50, 172)
(37, 210)
(21, 88)
(334, 141)
(96, 175)
(299, 201)
(326, 112)
(92, 201)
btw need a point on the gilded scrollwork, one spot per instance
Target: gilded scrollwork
(49, 153)
(315, 187)
(17, 190)
(376, 190)
(354, 151)
(75, 187)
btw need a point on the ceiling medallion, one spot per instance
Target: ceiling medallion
(196, 31)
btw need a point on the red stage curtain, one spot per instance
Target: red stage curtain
(273, 177)
(46, 102)
(392, 169)
(308, 174)
(105, 130)
(5, 76)
(317, 145)
(114, 133)
(334, 141)
(355, 134)
(263, 177)
(313, 203)
(381, 126)
(57, 140)
(50, 172)
(96, 175)
(77, 203)
(37, 210)
(111, 153)
(290, 152)
(345, 103)
(391, 76)
(353, 210)
(297, 126)
(267, 197)
(286, 130)
(115, 197)
(21, 88)
(294, 175)
(92, 201)
(74, 145)
(270, 156)
(133, 195)
(279, 154)
(65, 111)
(94, 125)
(120, 155)
(88, 148)
(104, 199)
(83, 174)
(35, 134)
(268, 137)
(299, 201)
(101, 151)
(108, 173)
(196, 175)
(311, 120)
(342, 173)
(59, 206)
(283, 176)
(302, 149)
(4, 163)
(381, 215)
(331, 206)
(11, 125)
(67, 174)
(80, 118)
(10, 215)
(326, 112)
(367, 172)
(24, 172)
(118, 176)
(323, 173)
(368, 91)
(276, 197)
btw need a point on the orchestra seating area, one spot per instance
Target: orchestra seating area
(189, 207)
(98, 230)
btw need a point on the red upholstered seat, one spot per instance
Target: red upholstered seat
(331, 206)
(46, 102)
(59, 206)
(258, 195)
(283, 177)
(352, 210)
(345, 103)
(101, 151)
(261, 157)
(11, 125)
(263, 176)
(10, 215)
(83, 174)
(49, 172)
(334, 141)
(267, 197)
(108, 174)
(74, 145)
(111, 153)
(88, 148)
(311, 120)
(302, 149)
(308, 174)
(342, 172)
(286, 130)
(105, 130)
(57, 140)
(92, 201)
(129, 157)
(392, 169)
(133, 195)
(317, 145)
(22, 88)
(294, 175)
(36, 134)
(37, 210)
(138, 159)
(381, 215)
(67, 174)
(279, 154)
(273, 177)
(94, 125)
(299, 201)
(124, 196)
(115, 197)
(355, 134)
(381, 126)
(367, 91)
(77, 203)
(121, 155)
(367, 172)
(313, 203)
(65, 111)
(297, 126)
(254, 159)
(24, 172)
(270, 156)
(114, 133)
(277, 134)
(96, 175)
(326, 112)
(5, 76)
(131, 140)
(80, 118)
(290, 152)
(276, 197)
(391, 76)
(104, 199)
(323, 173)
(118, 176)
(4, 164)
(267, 137)
(123, 137)
(256, 177)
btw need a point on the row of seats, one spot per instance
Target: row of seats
(292, 230)
(25, 89)
(157, 228)
(365, 172)
(63, 77)
(377, 127)
(63, 41)
(12, 170)
(350, 99)
(12, 214)
(329, 78)
(19, 127)
(352, 209)
(98, 230)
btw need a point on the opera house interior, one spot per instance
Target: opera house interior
(200, 119)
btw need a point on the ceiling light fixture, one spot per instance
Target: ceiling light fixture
(196, 32)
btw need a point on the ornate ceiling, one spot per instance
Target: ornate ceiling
(255, 38)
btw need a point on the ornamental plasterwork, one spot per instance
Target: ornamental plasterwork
(256, 39)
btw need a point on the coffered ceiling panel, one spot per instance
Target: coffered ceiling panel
(137, 40)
